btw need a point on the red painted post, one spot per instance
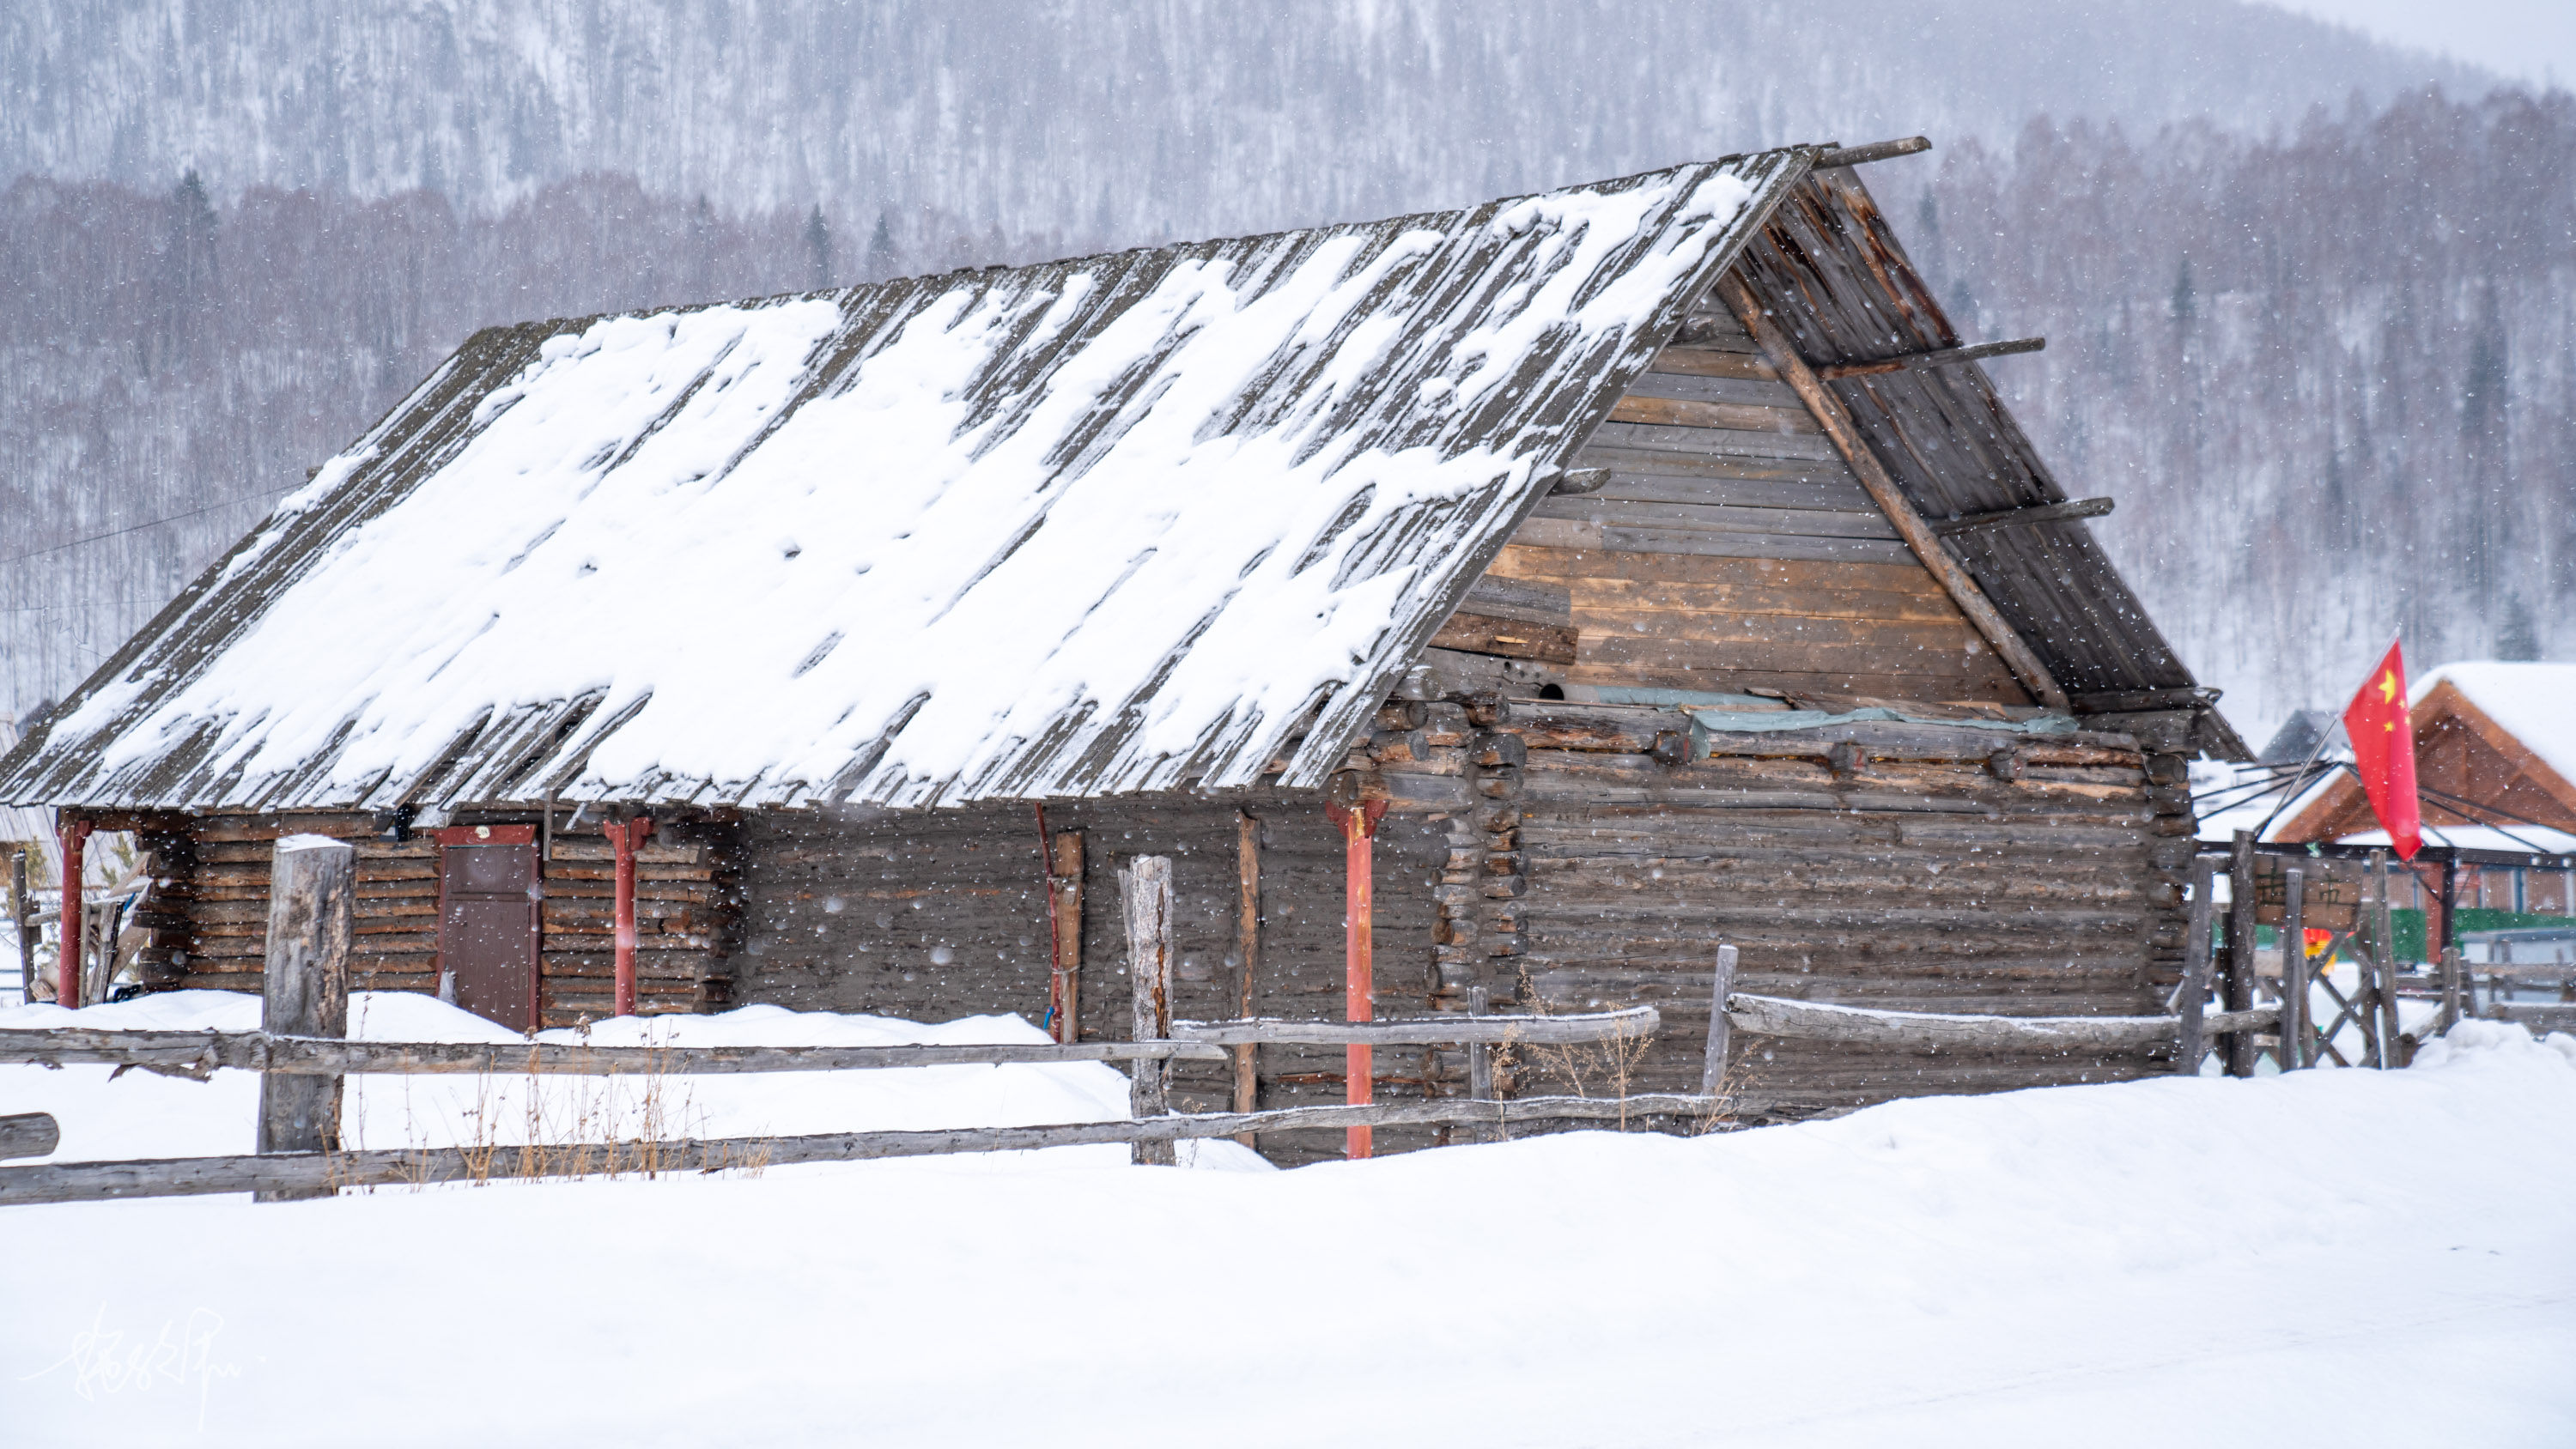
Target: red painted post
(1359, 833)
(623, 838)
(67, 961)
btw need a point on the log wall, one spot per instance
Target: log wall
(209, 911)
(1732, 548)
(2038, 881)
(939, 914)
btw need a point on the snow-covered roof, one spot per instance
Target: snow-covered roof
(1129, 522)
(2535, 703)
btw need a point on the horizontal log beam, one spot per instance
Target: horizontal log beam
(1635, 1022)
(1818, 1021)
(2129, 701)
(284, 1172)
(2016, 517)
(1937, 357)
(1874, 151)
(200, 1053)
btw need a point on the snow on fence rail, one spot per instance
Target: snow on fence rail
(200, 1053)
(1821, 1021)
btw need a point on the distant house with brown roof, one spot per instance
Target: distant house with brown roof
(2495, 760)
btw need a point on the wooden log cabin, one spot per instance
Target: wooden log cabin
(1653, 554)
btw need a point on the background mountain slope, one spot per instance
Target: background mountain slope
(2309, 323)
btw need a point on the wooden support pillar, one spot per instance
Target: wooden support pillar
(1247, 948)
(312, 903)
(624, 836)
(2296, 1049)
(1357, 821)
(67, 958)
(2239, 1046)
(2191, 997)
(1064, 928)
(1146, 885)
(1712, 1068)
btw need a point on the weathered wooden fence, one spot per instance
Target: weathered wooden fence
(302, 1055)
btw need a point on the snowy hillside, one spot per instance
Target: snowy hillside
(2334, 1257)
(2317, 342)
(1128, 118)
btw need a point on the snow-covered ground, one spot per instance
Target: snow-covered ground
(2330, 1257)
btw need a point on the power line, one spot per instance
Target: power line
(149, 523)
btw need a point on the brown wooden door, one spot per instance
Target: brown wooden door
(487, 920)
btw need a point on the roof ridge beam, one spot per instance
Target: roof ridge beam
(2015, 517)
(1874, 151)
(1937, 357)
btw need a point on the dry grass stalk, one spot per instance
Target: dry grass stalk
(1613, 1062)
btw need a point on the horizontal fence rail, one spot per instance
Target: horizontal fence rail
(321, 1172)
(199, 1053)
(1632, 1023)
(2538, 1017)
(1820, 1021)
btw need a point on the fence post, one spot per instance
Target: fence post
(2451, 992)
(1480, 1067)
(2296, 1050)
(29, 1134)
(1480, 1055)
(312, 898)
(2191, 1043)
(98, 958)
(1146, 885)
(2383, 929)
(2241, 931)
(22, 922)
(1712, 1070)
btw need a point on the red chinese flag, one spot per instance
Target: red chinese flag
(2383, 750)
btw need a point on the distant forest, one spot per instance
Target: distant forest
(2330, 378)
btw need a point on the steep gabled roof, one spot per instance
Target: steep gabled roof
(1122, 523)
